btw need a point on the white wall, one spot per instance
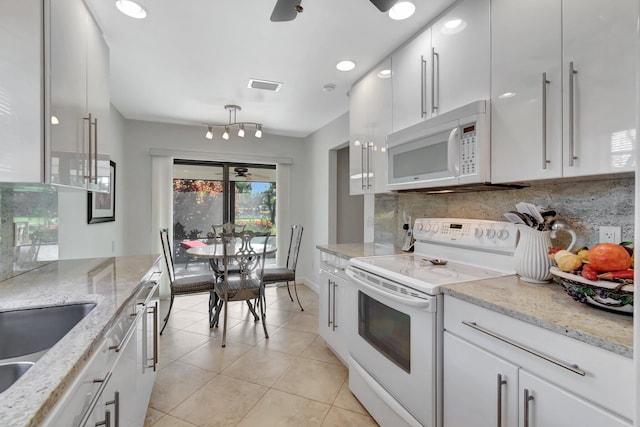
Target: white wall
(76, 238)
(141, 137)
(316, 230)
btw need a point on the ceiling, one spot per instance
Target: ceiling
(187, 59)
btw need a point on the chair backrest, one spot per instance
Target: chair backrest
(244, 254)
(294, 246)
(168, 255)
(227, 227)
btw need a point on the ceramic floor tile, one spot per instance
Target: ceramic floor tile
(186, 301)
(169, 421)
(175, 383)
(303, 322)
(260, 366)
(203, 328)
(175, 345)
(277, 317)
(289, 341)
(318, 350)
(223, 401)
(338, 417)
(313, 379)
(152, 416)
(278, 409)
(346, 400)
(180, 319)
(213, 357)
(250, 333)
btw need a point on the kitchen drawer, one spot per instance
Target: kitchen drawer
(607, 378)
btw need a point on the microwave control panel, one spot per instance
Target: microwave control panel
(468, 149)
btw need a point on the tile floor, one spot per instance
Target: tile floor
(291, 379)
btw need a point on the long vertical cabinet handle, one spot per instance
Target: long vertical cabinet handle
(95, 152)
(501, 382)
(335, 285)
(329, 304)
(116, 405)
(369, 149)
(434, 55)
(423, 87)
(89, 119)
(107, 420)
(155, 335)
(527, 399)
(363, 147)
(572, 72)
(545, 82)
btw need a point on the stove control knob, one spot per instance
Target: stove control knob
(478, 232)
(503, 234)
(491, 233)
(426, 227)
(418, 226)
(434, 228)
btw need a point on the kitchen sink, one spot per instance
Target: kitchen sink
(32, 330)
(10, 372)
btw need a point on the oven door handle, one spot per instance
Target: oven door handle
(412, 302)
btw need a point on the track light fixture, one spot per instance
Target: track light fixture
(233, 110)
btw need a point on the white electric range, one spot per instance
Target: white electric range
(395, 332)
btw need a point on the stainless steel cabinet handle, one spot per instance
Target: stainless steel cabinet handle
(573, 368)
(369, 149)
(572, 72)
(329, 303)
(118, 348)
(362, 163)
(94, 399)
(95, 153)
(116, 408)
(423, 87)
(335, 285)
(89, 119)
(107, 420)
(545, 82)
(527, 399)
(501, 382)
(434, 55)
(155, 335)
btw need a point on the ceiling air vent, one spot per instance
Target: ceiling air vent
(264, 85)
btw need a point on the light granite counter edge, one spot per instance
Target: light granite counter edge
(537, 321)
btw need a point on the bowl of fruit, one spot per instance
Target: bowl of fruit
(601, 276)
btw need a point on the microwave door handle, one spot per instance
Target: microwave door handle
(454, 166)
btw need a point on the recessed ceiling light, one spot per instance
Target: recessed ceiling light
(384, 74)
(131, 8)
(346, 65)
(507, 95)
(402, 10)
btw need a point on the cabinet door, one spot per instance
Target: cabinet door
(461, 56)
(526, 115)
(68, 89)
(410, 88)
(550, 406)
(98, 105)
(357, 139)
(477, 386)
(379, 123)
(21, 91)
(121, 393)
(341, 305)
(600, 39)
(326, 306)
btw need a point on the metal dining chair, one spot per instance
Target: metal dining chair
(187, 284)
(287, 274)
(245, 284)
(218, 230)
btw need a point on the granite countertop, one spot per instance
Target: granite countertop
(109, 282)
(354, 250)
(548, 306)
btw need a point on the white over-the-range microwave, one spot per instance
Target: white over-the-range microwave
(448, 150)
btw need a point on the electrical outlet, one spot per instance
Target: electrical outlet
(610, 235)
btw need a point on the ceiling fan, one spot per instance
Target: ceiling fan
(287, 10)
(242, 173)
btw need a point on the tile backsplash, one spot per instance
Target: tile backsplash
(586, 205)
(28, 227)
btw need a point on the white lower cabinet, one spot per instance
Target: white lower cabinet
(500, 371)
(333, 293)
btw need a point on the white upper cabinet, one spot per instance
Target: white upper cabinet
(460, 62)
(51, 77)
(600, 39)
(445, 67)
(550, 120)
(369, 125)
(409, 82)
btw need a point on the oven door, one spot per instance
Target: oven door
(394, 345)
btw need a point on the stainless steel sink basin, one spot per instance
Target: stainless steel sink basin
(31, 330)
(10, 372)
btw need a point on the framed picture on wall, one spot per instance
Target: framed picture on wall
(102, 206)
